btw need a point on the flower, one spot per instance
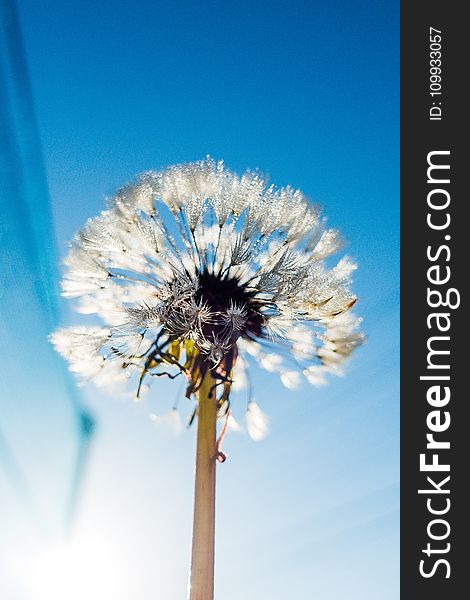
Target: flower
(193, 268)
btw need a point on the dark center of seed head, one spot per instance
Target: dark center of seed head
(220, 294)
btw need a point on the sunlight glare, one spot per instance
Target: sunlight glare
(76, 570)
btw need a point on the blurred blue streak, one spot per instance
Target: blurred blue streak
(44, 432)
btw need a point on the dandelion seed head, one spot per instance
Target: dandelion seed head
(195, 267)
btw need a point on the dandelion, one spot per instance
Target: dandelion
(194, 270)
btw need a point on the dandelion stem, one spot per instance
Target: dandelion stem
(202, 559)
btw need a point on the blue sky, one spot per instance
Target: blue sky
(309, 93)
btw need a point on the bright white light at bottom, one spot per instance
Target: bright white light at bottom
(88, 569)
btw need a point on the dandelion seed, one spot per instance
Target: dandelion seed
(315, 375)
(291, 379)
(233, 424)
(256, 422)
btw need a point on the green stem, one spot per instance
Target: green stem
(202, 558)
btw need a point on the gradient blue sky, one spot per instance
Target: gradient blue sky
(309, 93)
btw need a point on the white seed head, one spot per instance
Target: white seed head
(198, 260)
